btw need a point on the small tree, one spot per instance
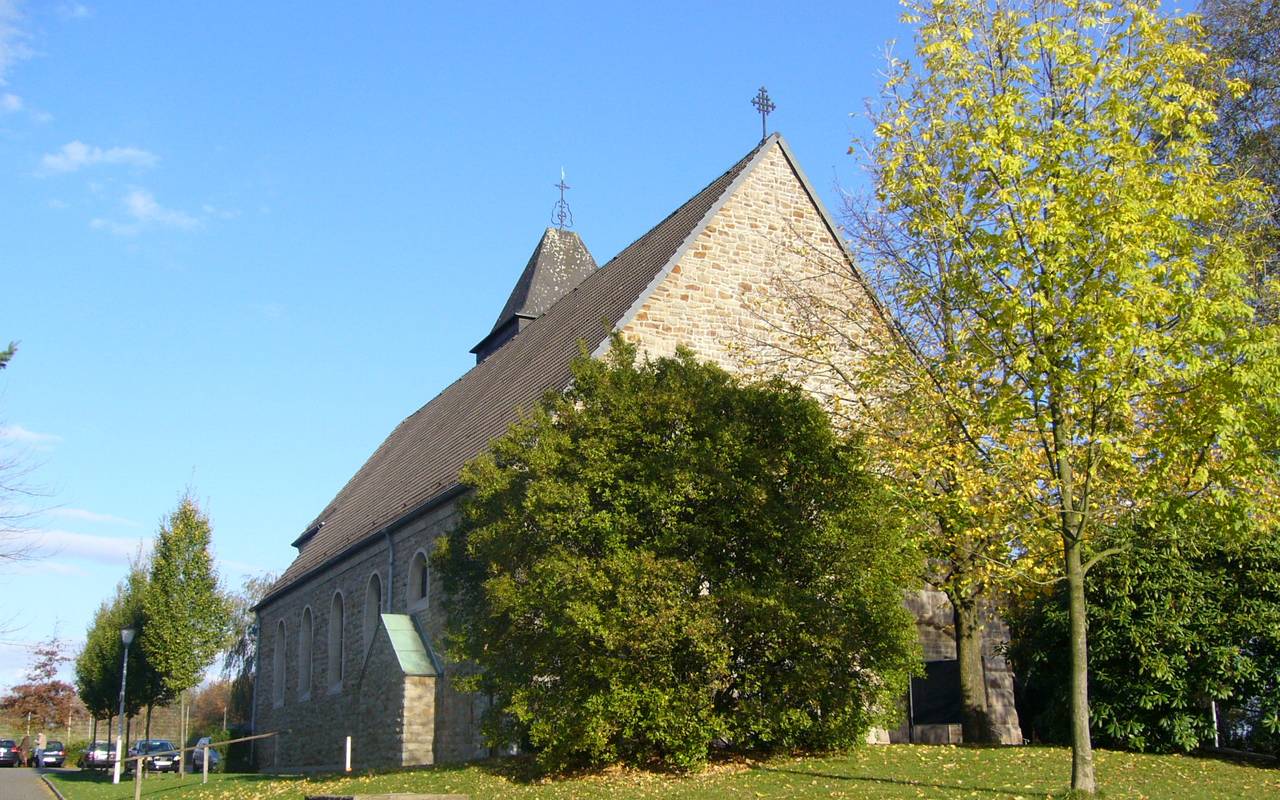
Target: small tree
(44, 698)
(211, 708)
(185, 613)
(663, 557)
(241, 651)
(98, 665)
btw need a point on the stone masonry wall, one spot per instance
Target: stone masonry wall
(321, 716)
(936, 629)
(419, 712)
(731, 295)
(378, 740)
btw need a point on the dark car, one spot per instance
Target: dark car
(9, 753)
(99, 755)
(197, 755)
(53, 754)
(161, 755)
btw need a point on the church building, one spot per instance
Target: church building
(351, 635)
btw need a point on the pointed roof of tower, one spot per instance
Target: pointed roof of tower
(559, 263)
(416, 468)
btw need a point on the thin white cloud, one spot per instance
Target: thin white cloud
(219, 213)
(11, 104)
(241, 567)
(75, 155)
(47, 566)
(74, 11)
(13, 37)
(145, 212)
(17, 433)
(270, 311)
(15, 659)
(114, 227)
(78, 514)
(64, 545)
(143, 207)
(84, 515)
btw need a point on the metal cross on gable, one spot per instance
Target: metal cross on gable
(764, 105)
(562, 215)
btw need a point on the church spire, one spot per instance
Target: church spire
(558, 264)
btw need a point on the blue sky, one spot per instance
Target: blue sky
(239, 242)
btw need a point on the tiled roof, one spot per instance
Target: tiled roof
(419, 462)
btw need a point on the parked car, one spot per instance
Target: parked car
(161, 755)
(98, 755)
(10, 756)
(196, 758)
(53, 754)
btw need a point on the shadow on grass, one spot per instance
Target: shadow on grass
(1242, 757)
(169, 783)
(516, 769)
(952, 787)
(524, 770)
(93, 776)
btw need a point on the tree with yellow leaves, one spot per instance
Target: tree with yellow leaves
(1049, 163)
(1067, 278)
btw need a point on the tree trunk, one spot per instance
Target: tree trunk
(147, 733)
(93, 736)
(1083, 779)
(1072, 523)
(182, 735)
(975, 720)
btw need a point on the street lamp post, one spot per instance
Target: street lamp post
(126, 636)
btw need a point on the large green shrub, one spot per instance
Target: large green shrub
(664, 557)
(1187, 613)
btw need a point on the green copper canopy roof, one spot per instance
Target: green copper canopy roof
(412, 651)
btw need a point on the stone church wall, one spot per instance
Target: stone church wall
(425, 721)
(722, 299)
(378, 739)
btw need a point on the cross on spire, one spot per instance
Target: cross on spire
(764, 105)
(562, 216)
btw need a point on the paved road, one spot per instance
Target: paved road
(20, 783)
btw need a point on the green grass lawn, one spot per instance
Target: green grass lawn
(894, 771)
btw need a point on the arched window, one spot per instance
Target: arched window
(277, 666)
(305, 655)
(335, 642)
(372, 608)
(419, 579)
